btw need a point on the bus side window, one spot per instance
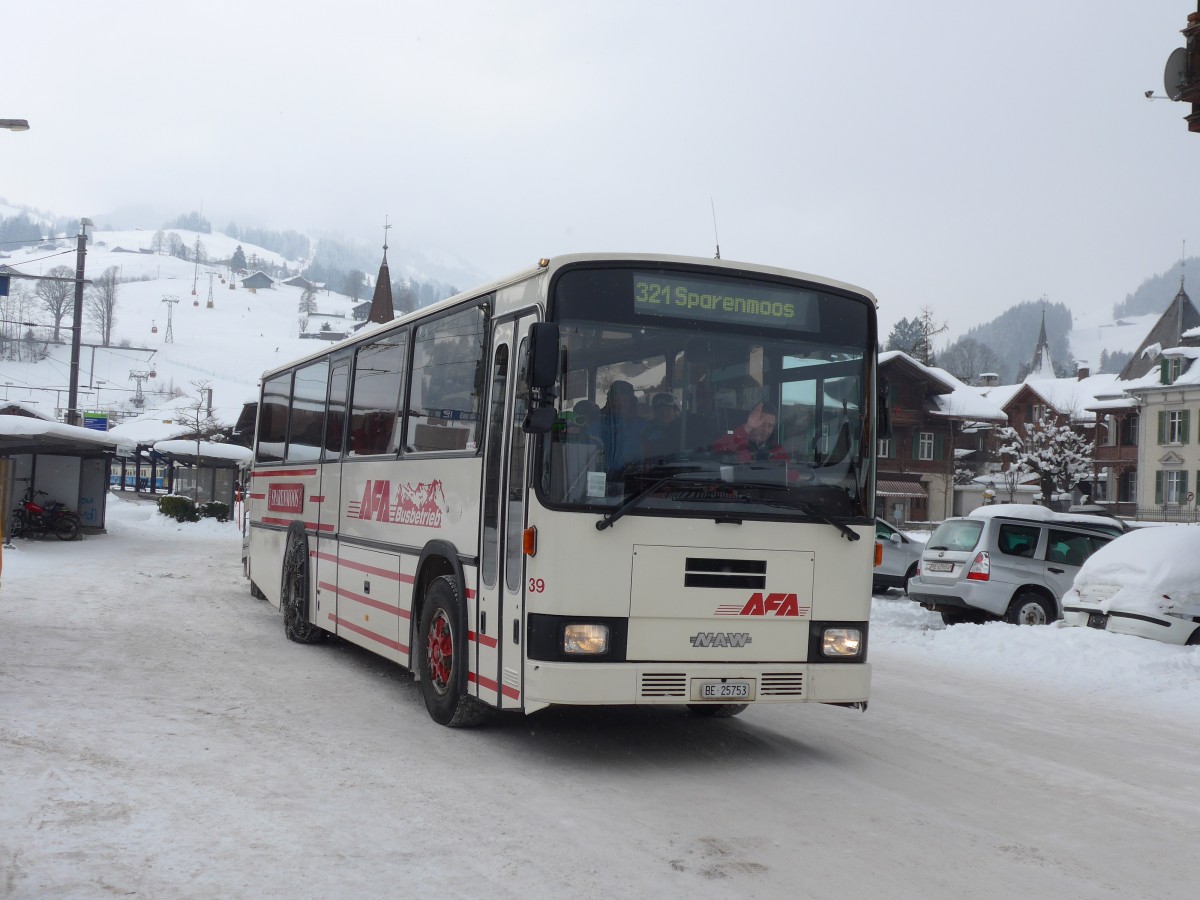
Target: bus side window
(374, 404)
(444, 403)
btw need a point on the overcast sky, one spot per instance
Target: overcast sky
(964, 156)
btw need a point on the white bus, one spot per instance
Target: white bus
(610, 479)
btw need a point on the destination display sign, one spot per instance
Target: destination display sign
(723, 301)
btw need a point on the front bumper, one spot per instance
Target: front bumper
(1168, 629)
(619, 684)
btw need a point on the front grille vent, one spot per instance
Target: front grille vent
(782, 684)
(704, 572)
(664, 684)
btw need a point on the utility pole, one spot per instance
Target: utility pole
(77, 325)
(169, 338)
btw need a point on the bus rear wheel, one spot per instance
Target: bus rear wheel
(293, 595)
(440, 661)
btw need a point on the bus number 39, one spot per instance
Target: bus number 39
(536, 586)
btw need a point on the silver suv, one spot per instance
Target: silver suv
(1006, 562)
(899, 560)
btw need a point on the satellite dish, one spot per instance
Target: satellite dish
(1175, 74)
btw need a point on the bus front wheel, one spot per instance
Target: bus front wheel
(439, 657)
(293, 595)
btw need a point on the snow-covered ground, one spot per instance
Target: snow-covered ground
(160, 738)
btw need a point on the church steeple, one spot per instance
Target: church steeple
(1042, 365)
(381, 300)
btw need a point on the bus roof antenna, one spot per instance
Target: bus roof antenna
(716, 237)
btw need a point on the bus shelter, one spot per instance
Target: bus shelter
(203, 470)
(69, 463)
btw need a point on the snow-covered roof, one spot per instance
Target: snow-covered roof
(207, 449)
(960, 401)
(147, 429)
(965, 402)
(32, 409)
(1075, 397)
(1153, 378)
(17, 430)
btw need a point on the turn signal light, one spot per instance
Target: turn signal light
(878, 553)
(529, 541)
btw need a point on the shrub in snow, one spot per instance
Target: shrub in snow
(181, 509)
(215, 509)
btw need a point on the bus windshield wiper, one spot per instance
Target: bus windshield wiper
(809, 510)
(609, 518)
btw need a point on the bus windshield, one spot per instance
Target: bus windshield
(686, 392)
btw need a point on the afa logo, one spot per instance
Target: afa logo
(421, 504)
(762, 604)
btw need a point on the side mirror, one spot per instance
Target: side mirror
(543, 355)
(895, 538)
(883, 414)
(539, 420)
(542, 376)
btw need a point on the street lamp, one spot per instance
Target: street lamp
(14, 124)
(77, 331)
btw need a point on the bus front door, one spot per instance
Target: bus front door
(498, 632)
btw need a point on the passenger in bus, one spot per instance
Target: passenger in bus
(751, 441)
(587, 417)
(620, 428)
(663, 435)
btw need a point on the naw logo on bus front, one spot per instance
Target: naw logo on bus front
(420, 504)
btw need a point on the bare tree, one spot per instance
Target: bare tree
(928, 329)
(967, 358)
(197, 416)
(57, 296)
(102, 303)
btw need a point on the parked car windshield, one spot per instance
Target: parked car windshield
(956, 534)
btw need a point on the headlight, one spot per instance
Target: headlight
(841, 642)
(585, 640)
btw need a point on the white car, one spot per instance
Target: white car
(1145, 583)
(901, 553)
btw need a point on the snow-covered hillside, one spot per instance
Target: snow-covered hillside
(1096, 332)
(228, 344)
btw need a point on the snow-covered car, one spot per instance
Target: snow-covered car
(900, 556)
(1145, 583)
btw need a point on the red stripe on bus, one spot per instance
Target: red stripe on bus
(367, 601)
(492, 686)
(311, 526)
(386, 573)
(283, 473)
(372, 570)
(370, 635)
(258, 496)
(489, 642)
(317, 498)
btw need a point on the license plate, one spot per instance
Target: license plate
(722, 690)
(939, 567)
